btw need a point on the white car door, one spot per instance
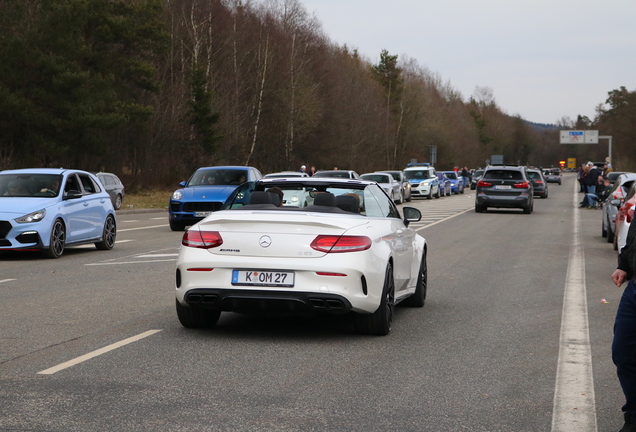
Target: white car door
(401, 238)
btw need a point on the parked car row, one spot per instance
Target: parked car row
(618, 209)
(429, 183)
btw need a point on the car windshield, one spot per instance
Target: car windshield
(395, 175)
(30, 185)
(498, 174)
(452, 175)
(223, 177)
(365, 200)
(336, 174)
(534, 175)
(378, 178)
(418, 174)
(282, 175)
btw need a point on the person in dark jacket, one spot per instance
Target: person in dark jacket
(624, 344)
(591, 178)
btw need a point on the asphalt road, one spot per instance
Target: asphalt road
(484, 354)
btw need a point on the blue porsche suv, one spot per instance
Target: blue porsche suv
(205, 192)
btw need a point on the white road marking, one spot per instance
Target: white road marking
(574, 406)
(442, 220)
(129, 221)
(157, 255)
(158, 218)
(7, 280)
(96, 353)
(141, 228)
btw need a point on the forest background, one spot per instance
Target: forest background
(153, 89)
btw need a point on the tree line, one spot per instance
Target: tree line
(153, 89)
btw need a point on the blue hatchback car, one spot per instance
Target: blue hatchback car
(444, 184)
(457, 181)
(205, 192)
(48, 209)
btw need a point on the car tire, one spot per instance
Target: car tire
(401, 198)
(615, 242)
(177, 226)
(527, 209)
(108, 235)
(57, 241)
(610, 233)
(194, 317)
(419, 296)
(461, 191)
(118, 202)
(409, 198)
(437, 195)
(379, 322)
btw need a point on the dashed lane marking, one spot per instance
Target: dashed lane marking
(96, 353)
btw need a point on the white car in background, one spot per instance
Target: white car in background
(423, 179)
(285, 174)
(349, 251)
(385, 180)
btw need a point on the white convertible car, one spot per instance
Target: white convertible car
(348, 251)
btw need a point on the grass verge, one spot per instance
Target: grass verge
(147, 199)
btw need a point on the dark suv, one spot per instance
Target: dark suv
(504, 186)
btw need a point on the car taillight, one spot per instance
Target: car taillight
(338, 244)
(484, 183)
(202, 239)
(522, 185)
(539, 181)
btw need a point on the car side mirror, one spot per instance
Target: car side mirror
(616, 202)
(72, 194)
(182, 184)
(411, 214)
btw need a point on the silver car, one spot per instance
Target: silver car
(610, 207)
(392, 188)
(400, 177)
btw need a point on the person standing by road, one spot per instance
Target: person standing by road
(581, 178)
(591, 178)
(624, 344)
(466, 176)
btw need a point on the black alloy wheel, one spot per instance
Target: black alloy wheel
(57, 241)
(419, 296)
(108, 235)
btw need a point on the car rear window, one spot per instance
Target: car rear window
(378, 178)
(498, 174)
(533, 175)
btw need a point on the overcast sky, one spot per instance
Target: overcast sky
(543, 59)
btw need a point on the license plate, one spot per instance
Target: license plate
(202, 214)
(263, 278)
(500, 187)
